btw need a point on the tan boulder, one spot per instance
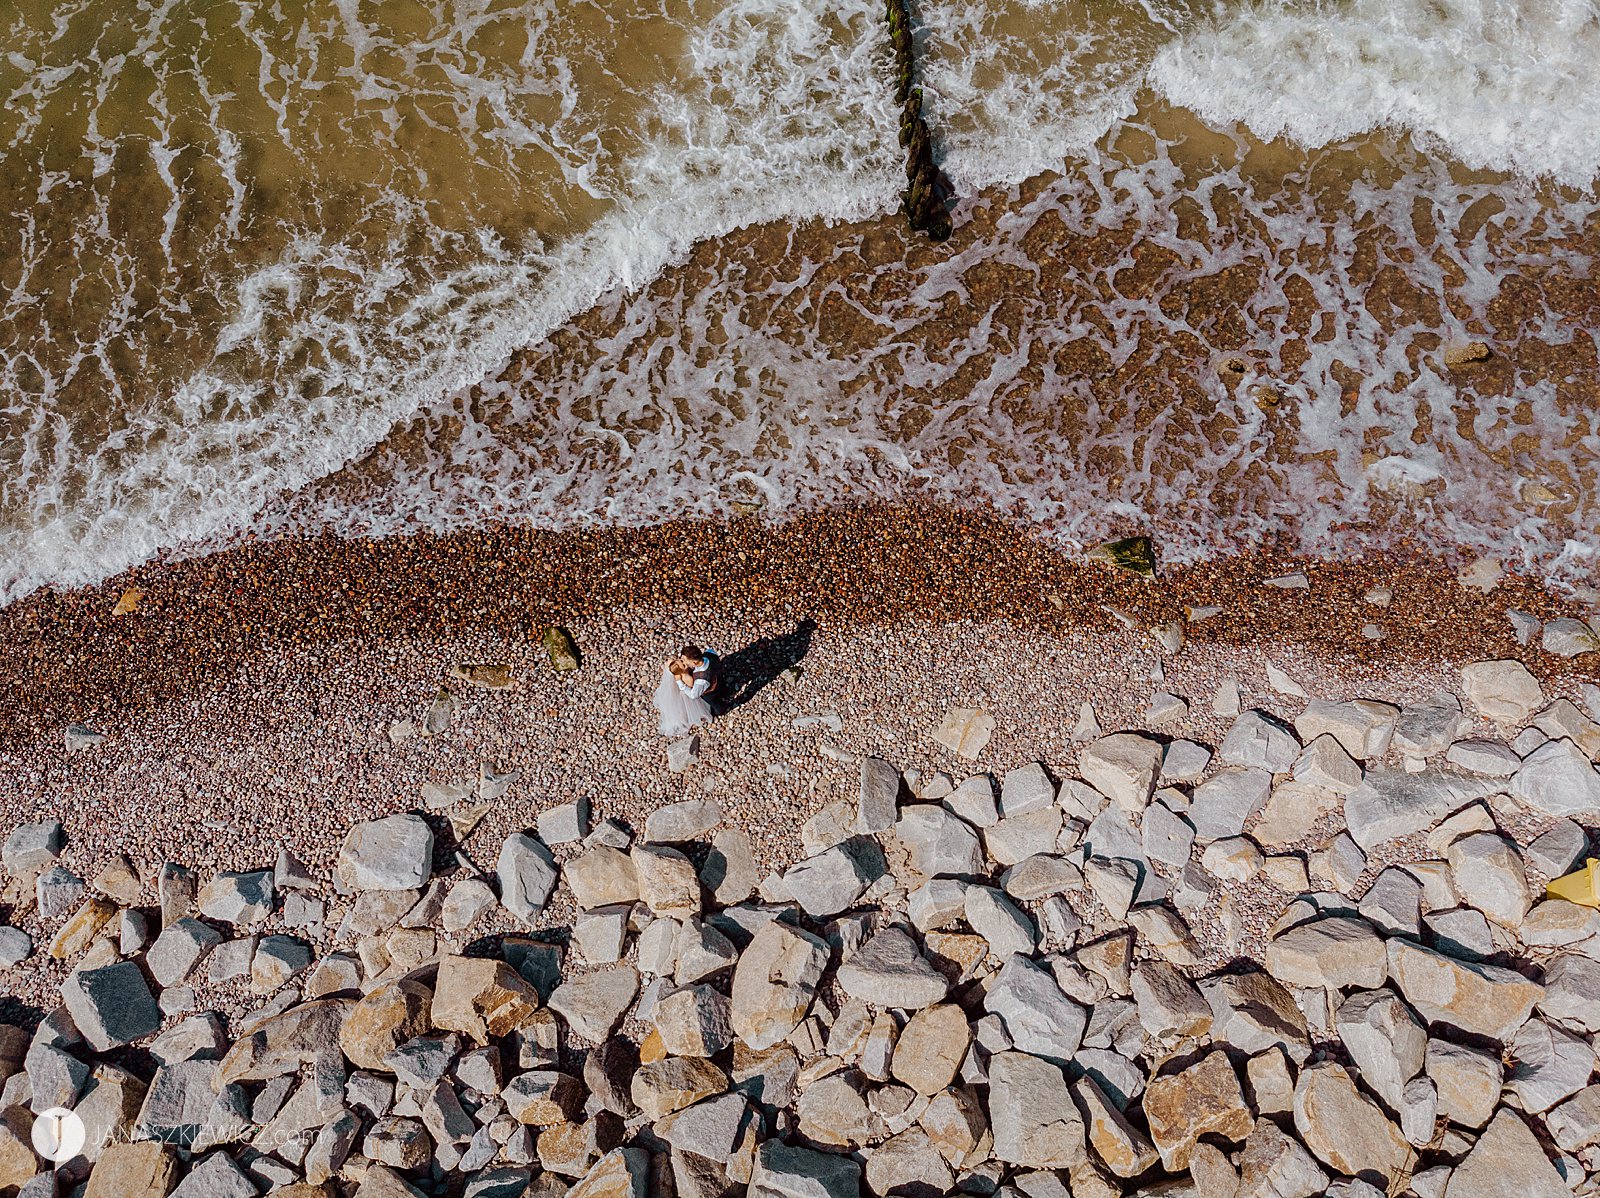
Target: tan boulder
(1486, 1000)
(1329, 953)
(1201, 1100)
(668, 883)
(601, 877)
(1346, 1130)
(85, 924)
(383, 1020)
(775, 982)
(143, 1170)
(18, 1164)
(1126, 1150)
(931, 1047)
(956, 1125)
(623, 1173)
(673, 1083)
(481, 997)
(1506, 1162)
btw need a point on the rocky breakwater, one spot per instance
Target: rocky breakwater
(979, 987)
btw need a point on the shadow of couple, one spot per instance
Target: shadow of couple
(744, 673)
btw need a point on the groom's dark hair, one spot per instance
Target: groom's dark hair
(692, 652)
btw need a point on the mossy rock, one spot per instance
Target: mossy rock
(561, 649)
(1137, 554)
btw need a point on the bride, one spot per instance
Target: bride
(680, 697)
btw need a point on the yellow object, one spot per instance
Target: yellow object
(1578, 887)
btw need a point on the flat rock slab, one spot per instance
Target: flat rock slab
(395, 853)
(890, 971)
(1391, 803)
(1485, 1000)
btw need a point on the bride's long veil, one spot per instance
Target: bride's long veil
(669, 701)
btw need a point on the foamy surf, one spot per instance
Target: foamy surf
(588, 167)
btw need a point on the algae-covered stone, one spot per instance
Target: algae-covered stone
(561, 649)
(1136, 554)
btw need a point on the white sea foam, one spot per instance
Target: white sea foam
(1495, 83)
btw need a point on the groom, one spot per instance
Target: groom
(699, 675)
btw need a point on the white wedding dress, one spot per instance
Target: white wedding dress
(679, 712)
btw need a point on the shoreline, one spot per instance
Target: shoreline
(933, 561)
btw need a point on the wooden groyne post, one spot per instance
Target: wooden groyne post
(926, 194)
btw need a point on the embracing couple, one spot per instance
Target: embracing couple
(689, 690)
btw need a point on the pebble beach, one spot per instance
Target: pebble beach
(377, 735)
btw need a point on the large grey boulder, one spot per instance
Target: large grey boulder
(834, 879)
(179, 949)
(526, 873)
(775, 982)
(1571, 987)
(592, 1003)
(785, 1171)
(1507, 1162)
(890, 971)
(1272, 1165)
(1168, 837)
(1427, 728)
(1557, 778)
(938, 843)
(1392, 803)
(216, 1177)
(1259, 741)
(178, 1102)
(1039, 1017)
(1385, 1041)
(111, 1006)
(1032, 1115)
(393, 853)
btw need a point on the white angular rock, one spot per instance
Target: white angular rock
(1330, 953)
(1325, 763)
(1506, 1162)
(1503, 691)
(1569, 637)
(1551, 1065)
(1124, 767)
(1487, 872)
(1259, 741)
(1393, 803)
(1558, 779)
(775, 982)
(939, 843)
(1484, 1000)
(1362, 727)
(1039, 1017)
(1184, 761)
(974, 801)
(1385, 1041)
(1487, 757)
(877, 800)
(832, 881)
(890, 971)
(1225, 802)
(1027, 788)
(1427, 728)
(673, 823)
(394, 853)
(1168, 838)
(994, 917)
